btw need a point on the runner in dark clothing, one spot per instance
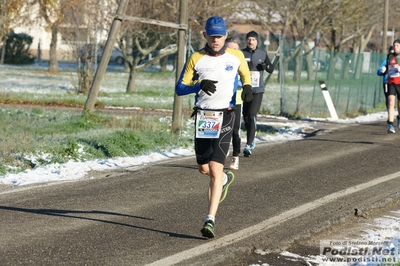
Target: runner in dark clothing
(236, 140)
(382, 71)
(393, 82)
(258, 62)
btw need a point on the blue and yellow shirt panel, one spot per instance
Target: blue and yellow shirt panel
(223, 68)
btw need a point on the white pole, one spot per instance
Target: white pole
(328, 100)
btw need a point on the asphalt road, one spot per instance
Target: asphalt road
(152, 215)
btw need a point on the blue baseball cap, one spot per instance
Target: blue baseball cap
(215, 26)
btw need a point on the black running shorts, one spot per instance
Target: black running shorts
(394, 89)
(217, 149)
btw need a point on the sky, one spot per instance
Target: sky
(290, 130)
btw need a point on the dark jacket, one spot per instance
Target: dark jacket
(258, 60)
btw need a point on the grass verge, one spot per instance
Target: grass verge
(35, 137)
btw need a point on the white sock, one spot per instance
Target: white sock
(210, 218)
(225, 180)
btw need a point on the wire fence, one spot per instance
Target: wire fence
(351, 80)
(293, 88)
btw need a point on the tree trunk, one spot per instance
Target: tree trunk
(163, 64)
(3, 53)
(53, 62)
(332, 65)
(358, 66)
(131, 81)
(129, 50)
(298, 68)
(86, 76)
(309, 62)
(346, 66)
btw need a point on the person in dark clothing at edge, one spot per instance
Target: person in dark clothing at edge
(258, 62)
(382, 71)
(393, 83)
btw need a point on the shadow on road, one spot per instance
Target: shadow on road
(67, 214)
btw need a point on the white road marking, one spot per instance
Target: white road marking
(267, 224)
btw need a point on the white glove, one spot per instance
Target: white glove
(383, 69)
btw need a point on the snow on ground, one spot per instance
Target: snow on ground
(383, 232)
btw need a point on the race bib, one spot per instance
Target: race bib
(255, 78)
(209, 124)
(393, 71)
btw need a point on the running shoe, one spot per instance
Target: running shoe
(234, 163)
(390, 129)
(253, 145)
(208, 229)
(231, 177)
(247, 151)
(398, 122)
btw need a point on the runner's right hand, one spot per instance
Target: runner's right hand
(247, 93)
(208, 86)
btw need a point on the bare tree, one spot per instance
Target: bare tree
(339, 23)
(349, 31)
(143, 44)
(82, 28)
(139, 40)
(299, 22)
(53, 13)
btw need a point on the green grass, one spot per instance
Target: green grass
(152, 90)
(36, 137)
